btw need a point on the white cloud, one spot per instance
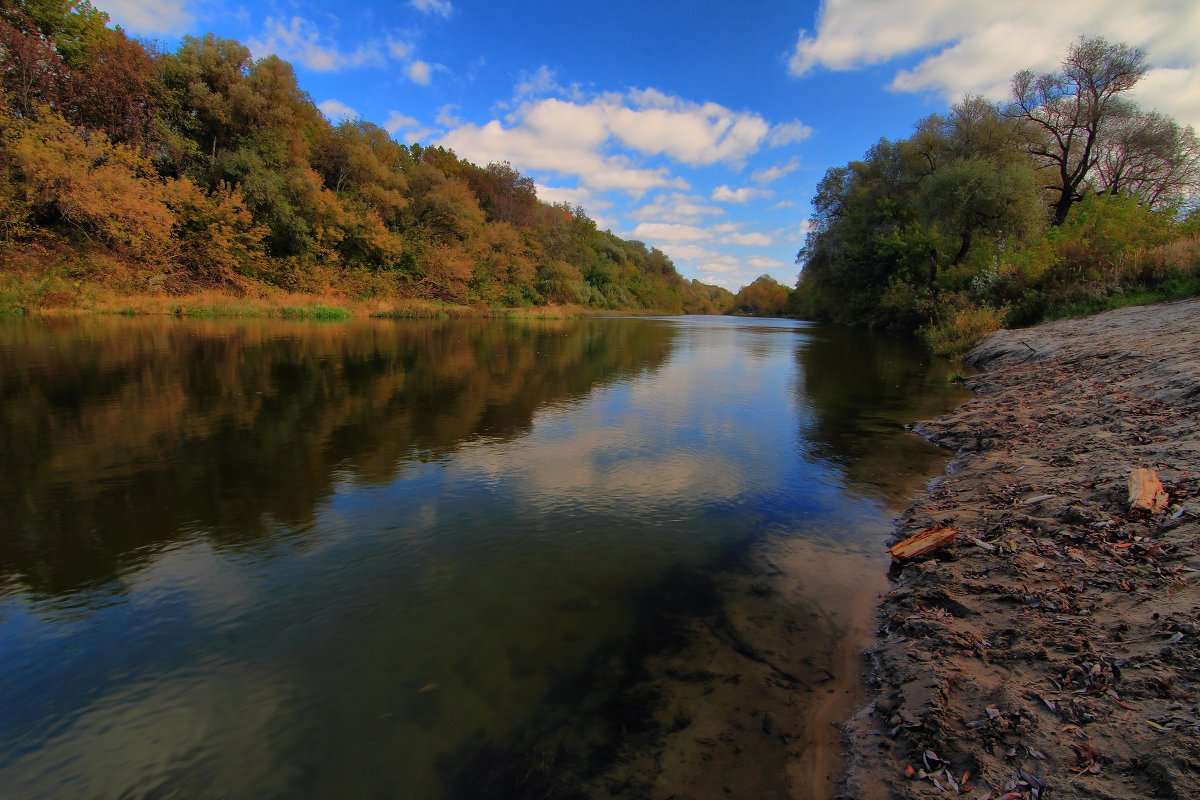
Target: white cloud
(446, 116)
(1177, 89)
(762, 264)
(541, 82)
(419, 72)
(787, 133)
(336, 109)
(671, 232)
(149, 16)
(602, 140)
(976, 47)
(764, 176)
(564, 149)
(396, 121)
(677, 233)
(785, 204)
(406, 129)
(723, 194)
(421, 134)
(576, 196)
(691, 133)
(753, 239)
(676, 207)
(441, 8)
(398, 49)
(300, 41)
(692, 249)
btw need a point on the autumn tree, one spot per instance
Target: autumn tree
(105, 191)
(113, 90)
(765, 297)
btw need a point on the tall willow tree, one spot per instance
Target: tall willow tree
(1065, 115)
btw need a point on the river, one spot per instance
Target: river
(560, 558)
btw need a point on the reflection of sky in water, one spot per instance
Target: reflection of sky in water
(418, 615)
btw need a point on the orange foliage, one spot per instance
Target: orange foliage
(108, 191)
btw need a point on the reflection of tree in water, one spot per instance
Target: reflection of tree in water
(120, 434)
(857, 391)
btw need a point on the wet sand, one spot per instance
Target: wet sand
(1054, 651)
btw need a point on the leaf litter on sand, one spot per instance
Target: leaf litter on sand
(1059, 654)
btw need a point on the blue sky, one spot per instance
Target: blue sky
(699, 127)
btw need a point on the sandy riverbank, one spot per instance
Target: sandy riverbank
(1060, 658)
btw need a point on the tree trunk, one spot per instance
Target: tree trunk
(1063, 207)
(963, 248)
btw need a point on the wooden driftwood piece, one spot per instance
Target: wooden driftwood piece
(1146, 491)
(924, 542)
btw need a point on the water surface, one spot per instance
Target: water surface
(469, 559)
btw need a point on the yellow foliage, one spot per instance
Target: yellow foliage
(217, 240)
(107, 191)
(962, 329)
(448, 268)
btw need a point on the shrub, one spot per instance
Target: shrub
(961, 329)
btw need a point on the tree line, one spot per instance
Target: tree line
(204, 168)
(1067, 198)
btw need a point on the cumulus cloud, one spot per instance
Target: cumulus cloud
(440, 8)
(406, 129)
(576, 196)
(764, 176)
(149, 16)
(336, 109)
(976, 47)
(762, 264)
(752, 239)
(723, 194)
(398, 49)
(696, 249)
(672, 232)
(447, 117)
(565, 147)
(396, 121)
(787, 133)
(419, 72)
(572, 135)
(724, 269)
(300, 41)
(676, 207)
(678, 233)
(539, 83)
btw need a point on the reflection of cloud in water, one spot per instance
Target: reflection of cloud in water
(600, 468)
(213, 584)
(623, 446)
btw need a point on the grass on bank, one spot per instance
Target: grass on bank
(47, 281)
(1154, 275)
